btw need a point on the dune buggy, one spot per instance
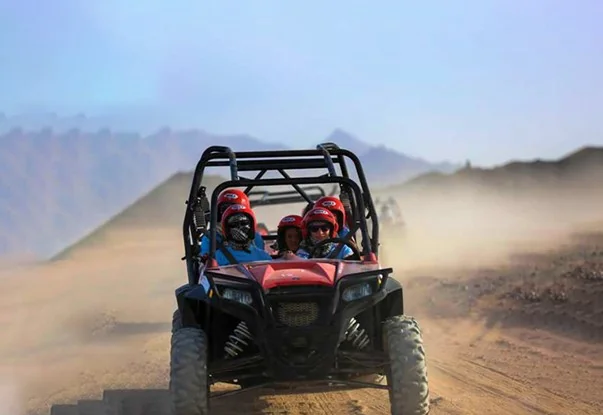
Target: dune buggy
(390, 214)
(315, 322)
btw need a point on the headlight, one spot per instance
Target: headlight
(243, 297)
(357, 291)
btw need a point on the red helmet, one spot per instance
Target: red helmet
(335, 206)
(236, 209)
(319, 214)
(289, 221)
(230, 197)
(295, 221)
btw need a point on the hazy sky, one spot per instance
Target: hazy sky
(479, 79)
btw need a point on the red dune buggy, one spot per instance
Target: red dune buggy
(326, 321)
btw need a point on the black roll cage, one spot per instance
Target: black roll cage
(325, 156)
(265, 197)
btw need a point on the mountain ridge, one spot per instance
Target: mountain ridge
(58, 185)
(480, 181)
(578, 170)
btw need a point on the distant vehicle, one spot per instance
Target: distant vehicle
(390, 214)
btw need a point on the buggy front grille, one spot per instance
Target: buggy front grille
(297, 314)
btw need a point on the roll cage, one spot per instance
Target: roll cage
(201, 216)
(265, 197)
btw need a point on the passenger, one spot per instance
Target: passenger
(334, 205)
(227, 198)
(238, 227)
(318, 225)
(289, 235)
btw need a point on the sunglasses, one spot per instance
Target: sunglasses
(316, 228)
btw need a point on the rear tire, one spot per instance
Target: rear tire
(189, 389)
(407, 373)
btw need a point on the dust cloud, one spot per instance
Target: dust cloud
(10, 399)
(98, 320)
(472, 229)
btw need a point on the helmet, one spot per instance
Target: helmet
(319, 214)
(230, 197)
(238, 223)
(333, 204)
(290, 220)
(233, 196)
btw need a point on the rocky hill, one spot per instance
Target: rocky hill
(58, 184)
(579, 171)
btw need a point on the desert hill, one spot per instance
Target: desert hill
(578, 171)
(537, 197)
(163, 207)
(56, 187)
(479, 198)
(62, 178)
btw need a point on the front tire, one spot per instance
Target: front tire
(176, 321)
(407, 373)
(189, 389)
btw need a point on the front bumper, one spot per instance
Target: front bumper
(297, 330)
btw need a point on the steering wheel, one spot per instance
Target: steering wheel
(355, 256)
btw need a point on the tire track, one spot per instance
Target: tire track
(479, 386)
(320, 403)
(308, 401)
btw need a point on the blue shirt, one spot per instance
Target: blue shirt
(343, 232)
(204, 249)
(254, 254)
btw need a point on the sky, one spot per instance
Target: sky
(485, 80)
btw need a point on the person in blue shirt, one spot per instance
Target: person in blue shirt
(227, 198)
(320, 224)
(238, 227)
(335, 206)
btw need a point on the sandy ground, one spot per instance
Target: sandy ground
(504, 334)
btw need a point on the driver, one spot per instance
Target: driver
(238, 227)
(320, 224)
(334, 205)
(227, 198)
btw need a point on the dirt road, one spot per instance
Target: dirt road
(523, 337)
